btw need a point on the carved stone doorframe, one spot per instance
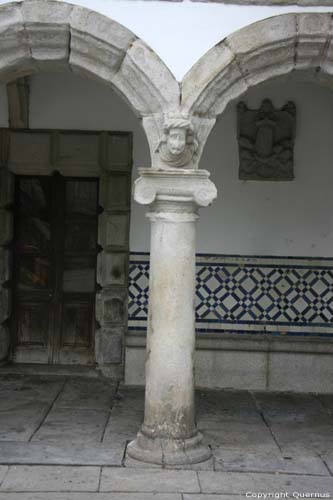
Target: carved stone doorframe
(108, 156)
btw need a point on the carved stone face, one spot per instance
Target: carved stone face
(176, 141)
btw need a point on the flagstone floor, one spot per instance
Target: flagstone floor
(65, 438)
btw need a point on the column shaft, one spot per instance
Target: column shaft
(168, 434)
(169, 409)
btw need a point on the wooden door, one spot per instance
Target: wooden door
(55, 247)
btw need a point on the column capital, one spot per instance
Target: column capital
(174, 189)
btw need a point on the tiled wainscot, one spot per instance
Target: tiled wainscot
(261, 322)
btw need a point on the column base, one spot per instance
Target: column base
(165, 451)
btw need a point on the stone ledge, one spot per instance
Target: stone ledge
(218, 342)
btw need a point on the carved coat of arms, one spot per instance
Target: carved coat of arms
(266, 141)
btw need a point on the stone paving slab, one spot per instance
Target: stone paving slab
(20, 419)
(51, 478)
(244, 435)
(237, 461)
(327, 401)
(31, 387)
(149, 480)
(96, 496)
(73, 425)
(293, 437)
(87, 394)
(118, 439)
(328, 458)
(3, 472)
(238, 483)
(290, 407)
(123, 424)
(209, 497)
(35, 453)
(215, 407)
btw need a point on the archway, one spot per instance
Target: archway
(57, 36)
(261, 51)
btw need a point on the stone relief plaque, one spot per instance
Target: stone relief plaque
(266, 141)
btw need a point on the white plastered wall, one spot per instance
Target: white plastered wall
(257, 218)
(273, 218)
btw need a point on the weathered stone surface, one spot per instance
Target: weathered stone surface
(20, 418)
(161, 92)
(48, 34)
(29, 149)
(87, 394)
(90, 44)
(7, 187)
(4, 342)
(102, 28)
(234, 483)
(111, 306)
(5, 304)
(112, 268)
(256, 53)
(93, 496)
(18, 103)
(98, 44)
(178, 145)
(168, 434)
(241, 460)
(62, 453)
(314, 31)
(115, 191)
(113, 230)
(149, 480)
(33, 388)
(81, 149)
(266, 137)
(6, 227)
(3, 472)
(15, 54)
(72, 425)
(4, 265)
(109, 345)
(224, 78)
(48, 478)
(119, 152)
(192, 184)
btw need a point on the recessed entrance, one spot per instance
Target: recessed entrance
(55, 245)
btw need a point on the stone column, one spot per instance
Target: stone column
(168, 434)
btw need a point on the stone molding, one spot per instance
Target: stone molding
(261, 51)
(50, 34)
(174, 191)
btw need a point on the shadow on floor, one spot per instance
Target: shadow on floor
(60, 420)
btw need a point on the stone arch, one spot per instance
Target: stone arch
(261, 51)
(53, 34)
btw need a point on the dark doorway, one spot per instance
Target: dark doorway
(55, 249)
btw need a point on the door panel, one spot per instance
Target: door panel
(55, 269)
